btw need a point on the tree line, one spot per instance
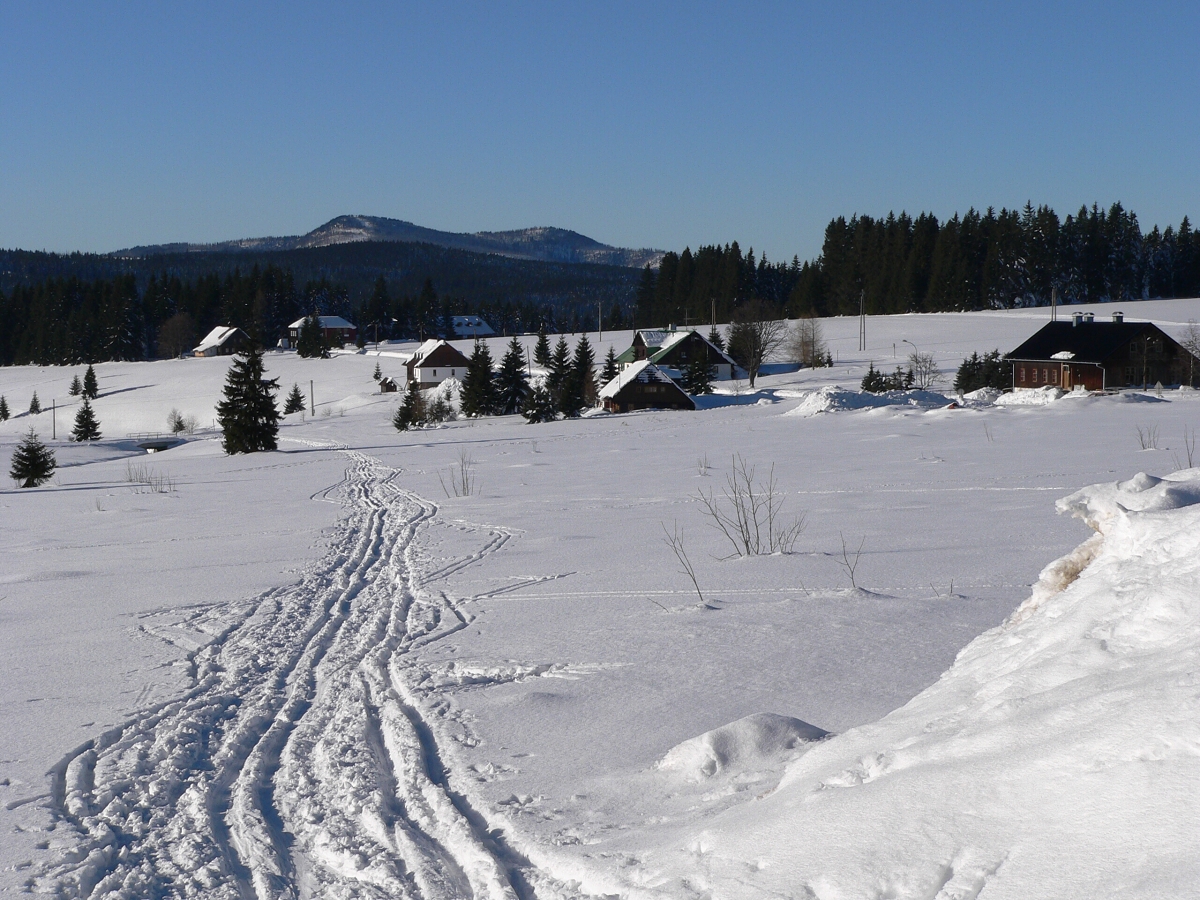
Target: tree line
(899, 264)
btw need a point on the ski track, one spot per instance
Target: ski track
(308, 758)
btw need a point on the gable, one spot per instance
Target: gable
(1087, 342)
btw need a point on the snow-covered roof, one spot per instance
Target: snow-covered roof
(215, 338)
(643, 371)
(325, 321)
(470, 326)
(425, 349)
(1062, 354)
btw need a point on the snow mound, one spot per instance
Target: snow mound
(836, 399)
(752, 743)
(1030, 396)
(985, 396)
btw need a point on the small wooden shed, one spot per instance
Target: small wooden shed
(644, 385)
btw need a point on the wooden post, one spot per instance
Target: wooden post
(312, 403)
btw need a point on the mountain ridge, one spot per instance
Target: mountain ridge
(543, 243)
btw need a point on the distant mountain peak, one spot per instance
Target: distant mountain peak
(540, 243)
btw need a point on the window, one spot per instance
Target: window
(1021, 373)
(1054, 375)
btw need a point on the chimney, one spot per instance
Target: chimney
(1076, 318)
(1089, 317)
(1118, 317)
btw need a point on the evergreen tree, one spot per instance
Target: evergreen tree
(411, 411)
(873, 382)
(560, 364)
(611, 369)
(512, 385)
(91, 387)
(583, 363)
(378, 373)
(32, 463)
(697, 374)
(541, 350)
(715, 338)
(76, 387)
(539, 407)
(4, 413)
(294, 402)
(310, 343)
(479, 387)
(87, 428)
(35, 405)
(248, 416)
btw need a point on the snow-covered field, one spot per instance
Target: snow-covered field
(320, 672)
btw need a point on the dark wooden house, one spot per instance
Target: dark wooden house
(671, 350)
(434, 362)
(224, 340)
(643, 385)
(335, 331)
(1100, 356)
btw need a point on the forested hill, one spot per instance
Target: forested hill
(900, 264)
(85, 307)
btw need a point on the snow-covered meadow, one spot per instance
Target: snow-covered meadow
(320, 671)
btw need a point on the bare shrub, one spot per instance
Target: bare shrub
(748, 513)
(146, 480)
(674, 540)
(806, 342)
(925, 372)
(461, 478)
(849, 561)
(1148, 437)
(1189, 446)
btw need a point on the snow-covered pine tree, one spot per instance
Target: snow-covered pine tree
(539, 407)
(294, 402)
(4, 413)
(479, 386)
(874, 382)
(512, 385)
(91, 387)
(33, 462)
(610, 370)
(35, 405)
(76, 387)
(248, 416)
(541, 350)
(87, 428)
(378, 373)
(697, 374)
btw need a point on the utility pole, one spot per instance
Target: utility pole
(312, 403)
(54, 419)
(862, 320)
(600, 320)
(1053, 304)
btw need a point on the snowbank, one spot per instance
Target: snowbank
(835, 399)
(1030, 396)
(1058, 757)
(751, 743)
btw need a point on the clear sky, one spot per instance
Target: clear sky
(640, 124)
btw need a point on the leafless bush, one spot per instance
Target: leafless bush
(181, 424)
(1189, 446)
(748, 513)
(1148, 437)
(147, 481)
(849, 561)
(806, 342)
(674, 540)
(461, 478)
(924, 370)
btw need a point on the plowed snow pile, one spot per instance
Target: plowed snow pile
(831, 399)
(1058, 757)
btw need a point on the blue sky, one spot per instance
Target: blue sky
(647, 124)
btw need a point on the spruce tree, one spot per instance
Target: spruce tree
(874, 382)
(539, 406)
(611, 370)
(378, 373)
(479, 387)
(541, 350)
(294, 402)
(91, 388)
(697, 374)
(584, 365)
(560, 363)
(4, 413)
(412, 410)
(87, 428)
(512, 385)
(35, 405)
(248, 416)
(715, 338)
(310, 343)
(76, 387)
(32, 463)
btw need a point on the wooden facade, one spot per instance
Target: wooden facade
(672, 350)
(644, 386)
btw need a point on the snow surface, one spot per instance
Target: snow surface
(320, 672)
